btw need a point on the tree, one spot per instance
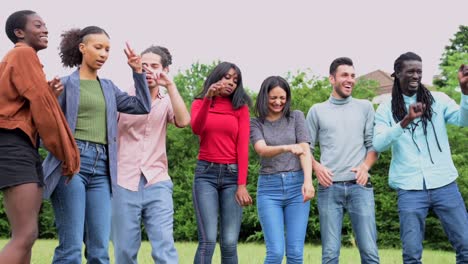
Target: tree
(454, 54)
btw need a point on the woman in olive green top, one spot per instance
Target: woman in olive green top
(82, 206)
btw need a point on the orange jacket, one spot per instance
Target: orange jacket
(27, 103)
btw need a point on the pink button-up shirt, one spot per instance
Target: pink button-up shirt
(142, 145)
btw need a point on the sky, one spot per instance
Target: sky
(262, 37)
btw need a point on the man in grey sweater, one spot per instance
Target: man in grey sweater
(343, 126)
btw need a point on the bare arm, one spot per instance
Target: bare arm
(265, 151)
(308, 191)
(181, 114)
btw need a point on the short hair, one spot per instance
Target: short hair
(69, 46)
(338, 62)
(166, 57)
(17, 20)
(261, 105)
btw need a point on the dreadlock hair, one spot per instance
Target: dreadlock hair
(166, 57)
(17, 20)
(69, 46)
(423, 95)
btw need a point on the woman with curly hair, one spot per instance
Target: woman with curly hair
(83, 206)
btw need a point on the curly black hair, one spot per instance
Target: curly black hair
(69, 46)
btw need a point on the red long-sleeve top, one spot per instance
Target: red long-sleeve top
(223, 132)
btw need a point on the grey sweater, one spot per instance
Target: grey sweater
(344, 130)
(280, 132)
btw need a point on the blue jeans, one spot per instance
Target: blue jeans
(282, 212)
(152, 205)
(449, 206)
(214, 191)
(83, 209)
(358, 201)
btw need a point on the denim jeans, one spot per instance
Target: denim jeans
(214, 191)
(151, 205)
(449, 206)
(358, 201)
(83, 209)
(282, 212)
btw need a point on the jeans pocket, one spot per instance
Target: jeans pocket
(202, 167)
(367, 186)
(322, 188)
(232, 168)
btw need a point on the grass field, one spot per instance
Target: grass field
(249, 253)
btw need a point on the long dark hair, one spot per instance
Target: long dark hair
(261, 105)
(69, 46)
(423, 95)
(239, 97)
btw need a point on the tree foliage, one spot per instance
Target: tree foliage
(453, 56)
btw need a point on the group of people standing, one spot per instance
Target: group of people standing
(111, 147)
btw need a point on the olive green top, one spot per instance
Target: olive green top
(91, 122)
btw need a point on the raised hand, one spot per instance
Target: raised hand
(415, 110)
(160, 77)
(463, 78)
(214, 89)
(56, 86)
(134, 60)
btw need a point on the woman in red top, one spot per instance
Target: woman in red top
(220, 117)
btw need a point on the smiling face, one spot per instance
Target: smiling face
(410, 77)
(229, 81)
(35, 33)
(95, 49)
(343, 81)
(277, 98)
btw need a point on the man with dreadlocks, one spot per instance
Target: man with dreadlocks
(413, 123)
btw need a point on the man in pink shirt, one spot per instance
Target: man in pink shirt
(144, 191)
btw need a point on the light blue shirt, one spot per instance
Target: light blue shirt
(411, 167)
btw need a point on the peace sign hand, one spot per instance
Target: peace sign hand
(160, 77)
(134, 60)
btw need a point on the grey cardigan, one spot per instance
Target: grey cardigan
(116, 101)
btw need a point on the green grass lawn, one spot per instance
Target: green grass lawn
(248, 253)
